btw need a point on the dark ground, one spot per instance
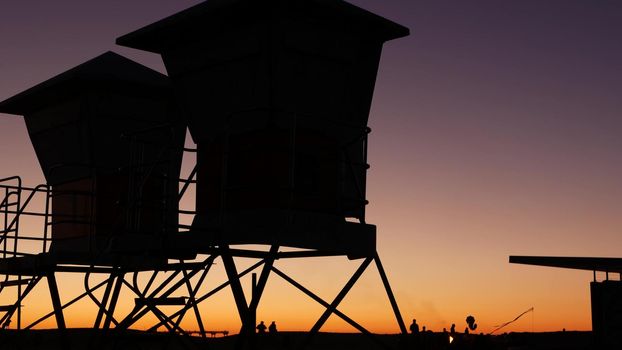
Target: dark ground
(79, 339)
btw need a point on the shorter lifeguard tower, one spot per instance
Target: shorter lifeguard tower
(109, 142)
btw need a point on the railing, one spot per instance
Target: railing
(18, 203)
(12, 209)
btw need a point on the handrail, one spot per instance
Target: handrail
(18, 187)
(6, 199)
(7, 202)
(12, 227)
(15, 177)
(26, 202)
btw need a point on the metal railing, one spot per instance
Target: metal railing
(12, 209)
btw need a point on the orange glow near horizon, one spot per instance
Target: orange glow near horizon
(436, 296)
(294, 311)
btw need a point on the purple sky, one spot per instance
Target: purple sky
(496, 131)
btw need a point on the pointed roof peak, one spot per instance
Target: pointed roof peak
(109, 67)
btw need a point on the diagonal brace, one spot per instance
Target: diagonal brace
(333, 306)
(209, 294)
(327, 305)
(387, 287)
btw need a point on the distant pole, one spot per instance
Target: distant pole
(19, 302)
(253, 312)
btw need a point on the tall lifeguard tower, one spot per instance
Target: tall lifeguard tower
(277, 95)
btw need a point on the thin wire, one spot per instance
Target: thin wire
(514, 320)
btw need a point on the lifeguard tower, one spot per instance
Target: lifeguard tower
(109, 142)
(277, 96)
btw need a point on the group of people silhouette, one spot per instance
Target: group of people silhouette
(261, 328)
(423, 339)
(414, 328)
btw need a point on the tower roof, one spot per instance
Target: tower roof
(577, 263)
(106, 69)
(187, 25)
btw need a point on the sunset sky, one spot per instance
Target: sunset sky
(496, 132)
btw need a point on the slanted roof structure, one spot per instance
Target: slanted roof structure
(98, 72)
(165, 34)
(577, 263)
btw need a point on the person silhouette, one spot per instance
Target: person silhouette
(414, 327)
(261, 328)
(272, 328)
(452, 330)
(466, 330)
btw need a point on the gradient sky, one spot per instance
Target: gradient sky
(496, 131)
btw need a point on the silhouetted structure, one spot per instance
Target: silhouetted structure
(110, 145)
(276, 95)
(606, 296)
(107, 138)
